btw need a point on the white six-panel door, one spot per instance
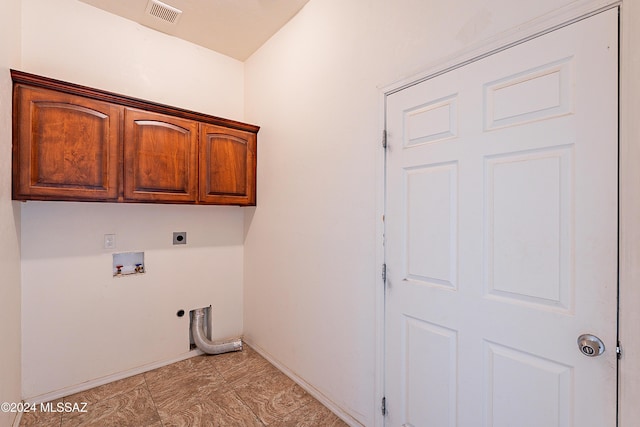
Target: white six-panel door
(501, 237)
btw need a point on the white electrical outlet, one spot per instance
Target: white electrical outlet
(109, 241)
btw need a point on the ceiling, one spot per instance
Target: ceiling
(235, 28)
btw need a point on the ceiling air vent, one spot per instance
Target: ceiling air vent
(163, 11)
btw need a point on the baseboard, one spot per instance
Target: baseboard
(16, 420)
(331, 405)
(67, 391)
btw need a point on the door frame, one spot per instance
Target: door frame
(629, 183)
(629, 212)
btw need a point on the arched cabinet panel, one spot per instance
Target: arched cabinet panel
(227, 166)
(65, 147)
(160, 155)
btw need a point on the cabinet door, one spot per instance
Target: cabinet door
(227, 166)
(160, 157)
(65, 146)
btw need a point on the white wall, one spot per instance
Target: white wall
(9, 221)
(76, 42)
(311, 272)
(78, 322)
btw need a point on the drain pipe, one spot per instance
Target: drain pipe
(206, 345)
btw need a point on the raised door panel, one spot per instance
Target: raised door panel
(160, 157)
(65, 146)
(227, 166)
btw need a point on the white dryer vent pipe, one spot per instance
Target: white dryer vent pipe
(206, 345)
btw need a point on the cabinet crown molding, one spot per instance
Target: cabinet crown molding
(21, 77)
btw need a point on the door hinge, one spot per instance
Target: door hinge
(384, 138)
(384, 406)
(384, 273)
(619, 351)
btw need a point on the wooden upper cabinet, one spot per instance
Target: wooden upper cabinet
(72, 142)
(65, 147)
(160, 157)
(227, 166)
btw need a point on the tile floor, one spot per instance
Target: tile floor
(232, 389)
